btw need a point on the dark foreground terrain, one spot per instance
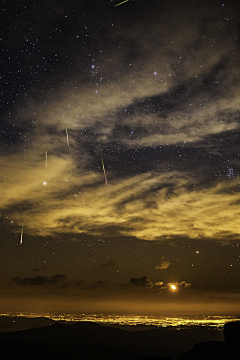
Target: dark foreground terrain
(23, 338)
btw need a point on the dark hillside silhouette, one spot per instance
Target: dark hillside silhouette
(88, 340)
(218, 350)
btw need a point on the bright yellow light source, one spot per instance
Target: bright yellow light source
(173, 287)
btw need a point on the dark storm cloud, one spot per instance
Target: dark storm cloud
(100, 284)
(109, 263)
(79, 283)
(37, 281)
(143, 281)
(55, 280)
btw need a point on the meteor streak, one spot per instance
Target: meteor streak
(21, 238)
(67, 136)
(122, 2)
(104, 172)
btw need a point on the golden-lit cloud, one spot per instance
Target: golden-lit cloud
(148, 206)
(145, 282)
(177, 285)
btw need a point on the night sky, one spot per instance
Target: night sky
(120, 156)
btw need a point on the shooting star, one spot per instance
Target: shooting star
(67, 136)
(21, 238)
(104, 172)
(46, 158)
(121, 3)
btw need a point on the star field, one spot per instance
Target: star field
(119, 152)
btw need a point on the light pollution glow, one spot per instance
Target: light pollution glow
(133, 320)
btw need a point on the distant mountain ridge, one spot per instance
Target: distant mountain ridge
(17, 323)
(93, 339)
(88, 340)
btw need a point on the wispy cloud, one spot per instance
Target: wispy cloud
(149, 206)
(163, 264)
